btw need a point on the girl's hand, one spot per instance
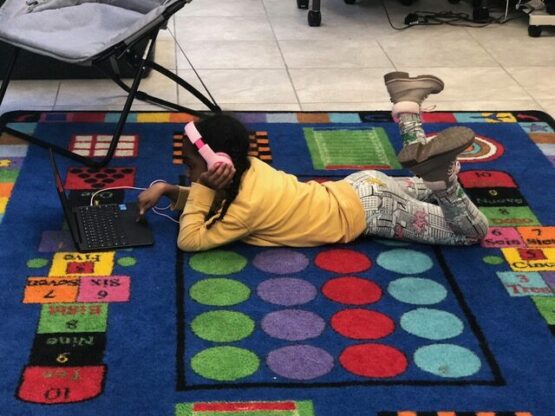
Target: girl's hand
(149, 198)
(218, 177)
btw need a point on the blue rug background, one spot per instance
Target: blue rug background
(141, 336)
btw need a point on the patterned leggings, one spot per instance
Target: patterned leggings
(402, 208)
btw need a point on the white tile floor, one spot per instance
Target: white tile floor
(262, 55)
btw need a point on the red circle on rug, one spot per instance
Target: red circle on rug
(343, 261)
(362, 324)
(373, 360)
(352, 290)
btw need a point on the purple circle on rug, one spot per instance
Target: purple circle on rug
(280, 261)
(293, 325)
(286, 291)
(300, 362)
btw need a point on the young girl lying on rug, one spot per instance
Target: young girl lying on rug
(259, 205)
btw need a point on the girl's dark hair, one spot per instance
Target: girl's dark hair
(226, 134)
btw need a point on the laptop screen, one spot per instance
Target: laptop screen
(63, 199)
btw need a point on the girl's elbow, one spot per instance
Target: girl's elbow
(185, 244)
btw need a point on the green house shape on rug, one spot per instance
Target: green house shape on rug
(344, 148)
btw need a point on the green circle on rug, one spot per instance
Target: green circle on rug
(225, 363)
(219, 292)
(127, 261)
(218, 262)
(37, 263)
(493, 260)
(222, 326)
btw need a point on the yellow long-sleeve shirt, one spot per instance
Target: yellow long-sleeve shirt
(272, 208)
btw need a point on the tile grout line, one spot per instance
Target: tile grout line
(208, 94)
(176, 51)
(501, 66)
(386, 54)
(282, 56)
(57, 94)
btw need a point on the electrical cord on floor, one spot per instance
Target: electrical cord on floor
(389, 19)
(461, 19)
(427, 18)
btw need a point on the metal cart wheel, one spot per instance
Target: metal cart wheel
(302, 4)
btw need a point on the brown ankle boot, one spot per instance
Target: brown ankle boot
(442, 148)
(436, 160)
(402, 88)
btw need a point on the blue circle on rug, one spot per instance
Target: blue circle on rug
(405, 261)
(286, 291)
(293, 324)
(431, 324)
(447, 360)
(281, 261)
(417, 291)
(300, 362)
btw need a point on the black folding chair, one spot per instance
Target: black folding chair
(88, 32)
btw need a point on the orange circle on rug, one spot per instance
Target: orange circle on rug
(343, 261)
(373, 360)
(351, 290)
(362, 324)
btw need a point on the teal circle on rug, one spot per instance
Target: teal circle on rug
(417, 291)
(431, 324)
(218, 262)
(222, 326)
(405, 261)
(225, 363)
(447, 360)
(219, 292)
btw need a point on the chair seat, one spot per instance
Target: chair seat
(75, 33)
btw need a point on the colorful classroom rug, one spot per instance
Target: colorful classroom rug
(372, 328)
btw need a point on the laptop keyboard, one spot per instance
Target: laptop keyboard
(101, 226)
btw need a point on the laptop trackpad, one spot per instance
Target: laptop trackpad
(138, 232)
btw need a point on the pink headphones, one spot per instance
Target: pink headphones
(205, 151)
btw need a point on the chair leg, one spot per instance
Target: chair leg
(133, 60)
(123, 116)
(24, 136)
(7, 77)
(314, 15)
(315, 5)
(143, 96)
(133, 92)
(181, 82)
(67, 153)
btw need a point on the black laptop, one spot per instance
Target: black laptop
(102, 227)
